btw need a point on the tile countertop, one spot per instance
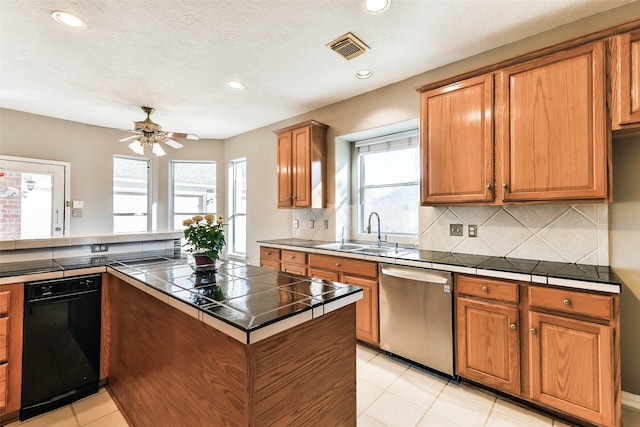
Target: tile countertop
(580, 276)
(246, 302)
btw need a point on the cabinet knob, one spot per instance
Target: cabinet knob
(293, 257)
(567, 302)
(505, 185)
(268, 252)
(533, 331)
(514, 326)
(489, 186)
(337, 264)
(485, 289)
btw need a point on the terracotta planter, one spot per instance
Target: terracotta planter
(203, 263)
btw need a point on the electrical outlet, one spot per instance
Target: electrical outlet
(325, 224)
(455, 229)
(76, 212)
(473, 230)
(99, 247)
(312, 223)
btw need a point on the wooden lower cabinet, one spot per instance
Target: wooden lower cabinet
(269, 258)
(489, 343)
(367, 321)
(294, 262)
(572, 366)
(556, 347)
(11, 315)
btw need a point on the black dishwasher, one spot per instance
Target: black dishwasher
(61, 342)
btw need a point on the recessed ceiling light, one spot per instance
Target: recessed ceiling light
(235, 85)
(364, 74)
(376, 6)
(68, 19)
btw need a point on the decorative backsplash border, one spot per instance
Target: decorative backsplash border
(563, 233)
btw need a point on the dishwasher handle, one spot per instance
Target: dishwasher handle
(418, 274)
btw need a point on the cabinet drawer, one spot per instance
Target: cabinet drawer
(344, 265)
(4, 338)
(3, 385)
(5, 296)
(330, 276)
(269, 253)
(576, 302)
(272, 265)
(294, 257)
(294, 269)
(487, 288)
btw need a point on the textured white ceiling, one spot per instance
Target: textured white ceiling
(177, 55)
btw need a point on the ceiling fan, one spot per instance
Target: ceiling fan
(150, 134)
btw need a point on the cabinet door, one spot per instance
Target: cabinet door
(301, 155)
(488, 343)
(367, 320)
(571, 366)
(285, 190)
(330, 276)
(294, 269)
(457, 142)
(626, 80)
(553, 127)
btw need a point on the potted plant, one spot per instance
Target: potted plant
(204, 238)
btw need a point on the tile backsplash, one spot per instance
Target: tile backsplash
(564, 233)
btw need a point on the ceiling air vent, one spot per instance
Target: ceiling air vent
(348, 46)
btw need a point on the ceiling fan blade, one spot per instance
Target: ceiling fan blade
(129, 138)
(182, 135)
(172, 143)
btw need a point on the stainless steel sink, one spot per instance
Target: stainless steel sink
(341, 246)
(374, 250)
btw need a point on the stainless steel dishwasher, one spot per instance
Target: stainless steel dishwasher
(416, 316)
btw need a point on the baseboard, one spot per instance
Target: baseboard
(631, 400)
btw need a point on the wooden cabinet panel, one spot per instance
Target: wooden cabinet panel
(488, 343)
(4, 338)
(626, 80)
(5, 297)
(344, 265)
(294, 269)
(572, 365)
(272, 265)
(302, 152)
(284, 172)
(367, 316)
(487, 288)
(330, 276)
(11, 298)
(456, 142)
(581, 303)
(267, 253)
(553, 129)
(294, 257)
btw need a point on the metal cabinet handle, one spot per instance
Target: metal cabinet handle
(485, 289)
(566, 302)
(514, 326)
(533, 331)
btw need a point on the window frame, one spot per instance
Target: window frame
(148, 214)
(232, 206)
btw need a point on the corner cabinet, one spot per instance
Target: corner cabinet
(11, 315)
(456, 142)
(302, 165)
(552, 128)
(626, 81)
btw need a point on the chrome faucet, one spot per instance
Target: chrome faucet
(369, 226)
(342, 236)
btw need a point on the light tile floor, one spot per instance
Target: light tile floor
(390, 393)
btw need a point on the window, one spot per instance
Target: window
(193, 190)
(131, 194)
(389, 182)
(32, 195)
(237, 235)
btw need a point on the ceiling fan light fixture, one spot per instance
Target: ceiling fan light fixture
(234, 85)
(68, 19)
(136, 147)
(157, 150)
(376, 6)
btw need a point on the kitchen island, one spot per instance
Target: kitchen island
(242, 346)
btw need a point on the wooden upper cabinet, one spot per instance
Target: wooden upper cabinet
(552, 128)
(301, 168)
(625, 64)
(456, 142)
